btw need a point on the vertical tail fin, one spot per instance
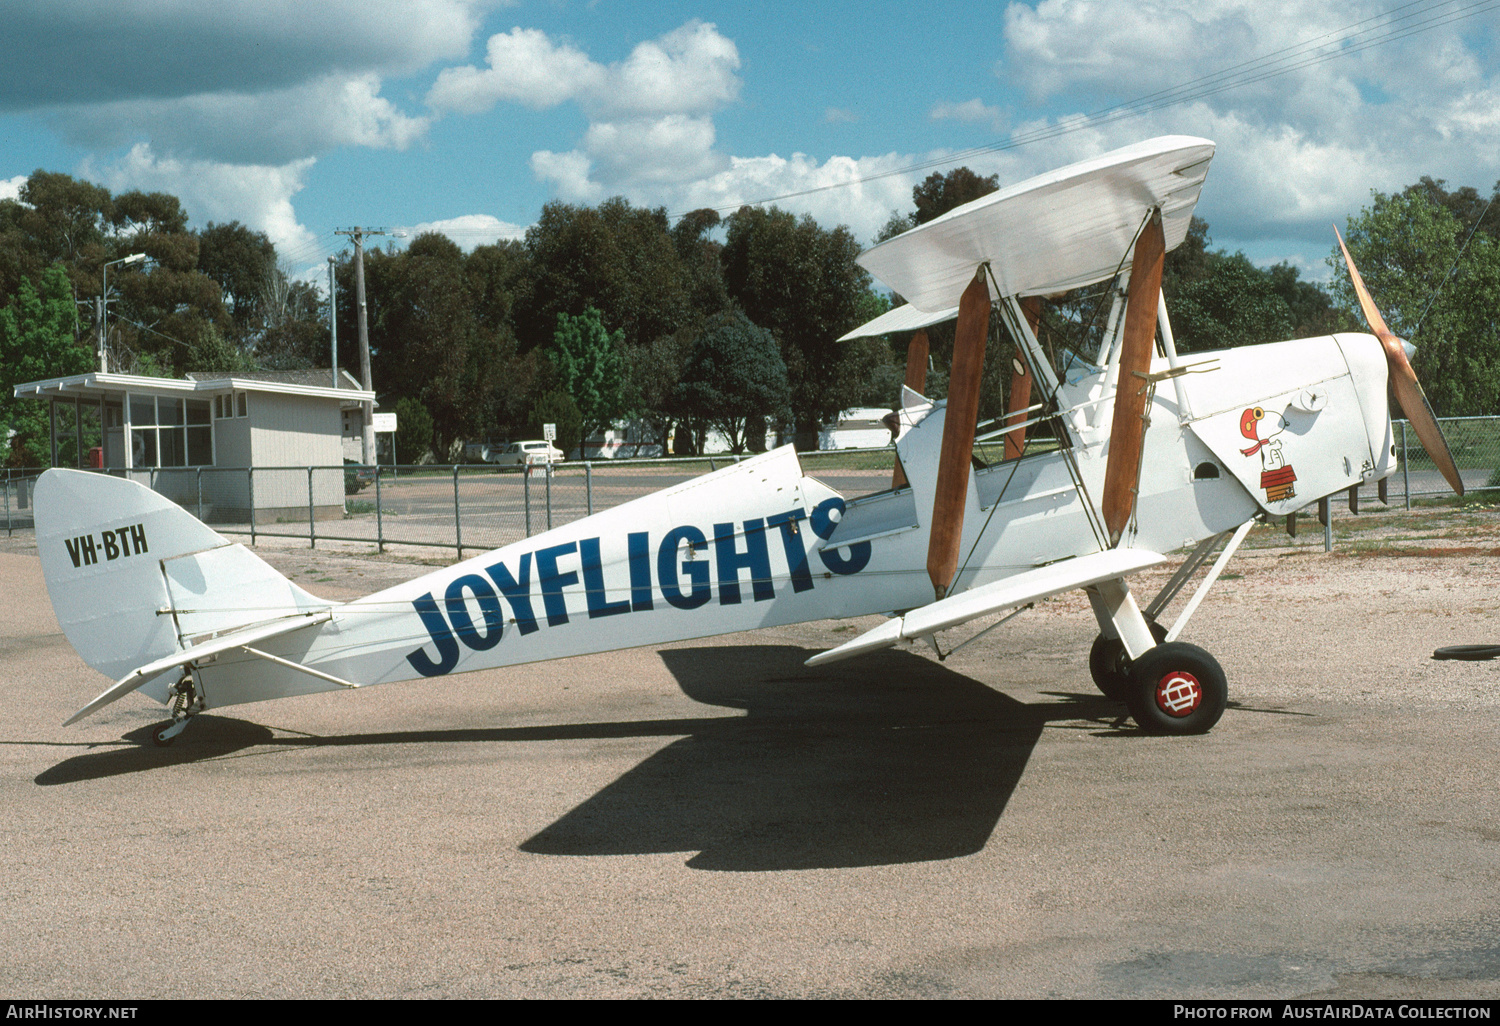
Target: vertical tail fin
(134, 578)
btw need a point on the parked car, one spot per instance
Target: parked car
(525, 454)
(357, 477)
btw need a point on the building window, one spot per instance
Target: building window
(234, 404)
(171, 432)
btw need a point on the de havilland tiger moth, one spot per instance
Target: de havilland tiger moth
(1148, 453)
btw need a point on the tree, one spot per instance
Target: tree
(414, 437)
(1233, 303)
(557, 407)
(55, 218)
(655, 369)
(37, 341)
(1472, 211)
(235, 258)
(616, 258)
(734, 378)
(940, 193)
(1407, 249)
(591, 368)
(801, 282)
(426, 341)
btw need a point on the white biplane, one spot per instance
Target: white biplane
(161, 603)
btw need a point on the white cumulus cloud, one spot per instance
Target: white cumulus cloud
(260, 196)
(470, 230)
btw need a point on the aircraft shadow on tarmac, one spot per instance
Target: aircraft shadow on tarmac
(888, 759)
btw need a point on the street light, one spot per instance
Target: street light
(134, 258)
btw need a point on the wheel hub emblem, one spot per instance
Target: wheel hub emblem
(1179, 693)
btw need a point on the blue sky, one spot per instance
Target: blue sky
(469, 115)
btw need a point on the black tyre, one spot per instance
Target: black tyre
(158, 738)
(1110, 666)
(1177, 689)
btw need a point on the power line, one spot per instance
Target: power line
(1350, 39)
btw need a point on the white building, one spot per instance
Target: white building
(861, 428)
(195, 439)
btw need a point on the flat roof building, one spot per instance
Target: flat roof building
(195, 439)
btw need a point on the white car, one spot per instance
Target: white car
(525, 454)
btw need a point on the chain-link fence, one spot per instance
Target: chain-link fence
(476, 507)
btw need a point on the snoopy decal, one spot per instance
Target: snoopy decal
(1276, 475)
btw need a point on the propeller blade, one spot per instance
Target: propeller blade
(916, 380)
(1127, 435)
(1020, 384)
(1404, 380)
(958, 434)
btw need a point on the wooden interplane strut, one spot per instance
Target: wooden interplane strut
(1132, 391)
(958, 434)
(916, 380)
(1020, 384)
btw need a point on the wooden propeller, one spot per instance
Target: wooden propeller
(1404, 380)
(1127, 433)
(958, 434)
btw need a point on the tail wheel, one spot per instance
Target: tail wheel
(1109, 665)
(1177, 688)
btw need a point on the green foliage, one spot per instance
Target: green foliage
(733, 380)
(426, 339)
(37, 342)
(801, 282)
(233, 256)
(591, 368)
(616, 258)
(1405, 247)
(211, 351)
(413, 439)
(557, 407)
(940, 193)
(1233, 303)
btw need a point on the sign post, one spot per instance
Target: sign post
(549, 432)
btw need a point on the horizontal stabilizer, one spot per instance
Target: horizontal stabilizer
(224, 643)
(1025, 587)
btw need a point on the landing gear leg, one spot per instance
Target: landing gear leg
(1110, 666)
(187, 702)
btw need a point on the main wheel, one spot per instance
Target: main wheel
(1110, 666)
(158, 738)
(1177, 688)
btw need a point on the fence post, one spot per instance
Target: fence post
(549, 492)
(588, 487)
(7, 502)
(379, 522)
(458, 531)
(200, 493)
(250, 478)
(526, 494)
(1405, 467)
(312, 530)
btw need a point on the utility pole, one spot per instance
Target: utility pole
(333, 325)
(102, 310)
(367, 441)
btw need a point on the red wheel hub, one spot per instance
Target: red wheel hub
(1179, 694)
